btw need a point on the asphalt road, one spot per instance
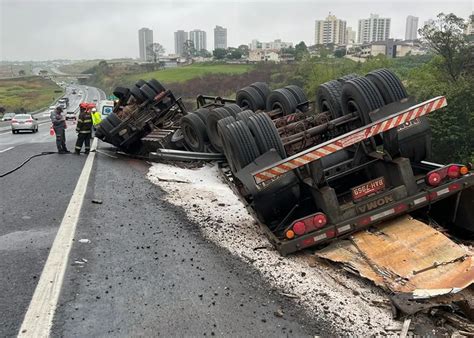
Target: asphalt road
(32, 204)
(138, 266)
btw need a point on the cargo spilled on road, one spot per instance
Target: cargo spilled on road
(311, 173)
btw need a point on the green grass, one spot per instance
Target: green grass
(30, 93)
(185, 73)
(78, 67)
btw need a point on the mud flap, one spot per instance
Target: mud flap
(407, 258)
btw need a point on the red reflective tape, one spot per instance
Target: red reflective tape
(440, 103)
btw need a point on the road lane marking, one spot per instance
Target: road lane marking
(39, 316)
(4, 150)
(105, 153)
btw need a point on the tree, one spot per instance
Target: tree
(446, 37)
(339, 53)
(244, 49)
(189, 50)
(219, 53)
(21, 72)
(235, 54)
(155, 50)
(301, 50)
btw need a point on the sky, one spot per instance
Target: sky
(105, 29)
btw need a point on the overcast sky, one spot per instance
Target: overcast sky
(91, 29)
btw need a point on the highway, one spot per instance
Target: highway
(137, 265)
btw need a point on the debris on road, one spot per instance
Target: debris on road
(96, 201)
(84, 240)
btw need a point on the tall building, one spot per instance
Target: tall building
(273, 45)
(220, 37)
(198, 37)
(373, 29)
(330, 30)
(180, 38)
(350, 35)
(411, 29)
(145, 40)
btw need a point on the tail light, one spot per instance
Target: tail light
(14, 121)
(435, 177)
(306, 225)
(29, 121)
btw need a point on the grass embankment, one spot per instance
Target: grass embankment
(30, 93)
(185, 73)
(78, 67)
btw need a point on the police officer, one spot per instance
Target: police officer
(84, 130)
(59, 126)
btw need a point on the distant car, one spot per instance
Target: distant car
(8, 116)
(74, 92)
(24, 122)
(70, 115)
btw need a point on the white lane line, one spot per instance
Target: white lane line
(39, 316)
(4, 150)
(106, 154)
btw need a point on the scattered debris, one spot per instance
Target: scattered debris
(84, 240)
(96, 201)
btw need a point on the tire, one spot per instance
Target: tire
(250, 98)
(157, 86)
(194, 132)
(212, 120)
(360, 96)
(388, 84)
(202, 113)
(281, 99)
(244, 115)
(348, 77)
(232, 108)
(140, 83)
(328, 98)
(13, 132)
(114, 119)
(262, 88)
(137, 94)
(298, 93)
(241, 148)
(99, 134)
(148, 92)
(106, 126)
(122, 93)
(266, 134)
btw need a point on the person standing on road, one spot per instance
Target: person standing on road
(59, 126)
(84, 130)
(96, 117)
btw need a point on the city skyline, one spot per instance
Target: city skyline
(81, 36)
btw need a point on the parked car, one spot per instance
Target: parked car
(8, 116)
(70, 115)
(24, 122)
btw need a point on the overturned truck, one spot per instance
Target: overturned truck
(308, 171)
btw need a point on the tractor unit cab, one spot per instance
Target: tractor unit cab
(140, 110)
(361, 158)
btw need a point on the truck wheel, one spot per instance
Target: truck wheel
(360, 97)
(140, 83)
(221, 129)
(202, 113)
(122, 93)
(240, 145)
(262, 88)
(137, 94)
(281, 99)
(299, 96)
(388, 84)
(348, 77)
(328, 98)
(250, 98)
(212, 119)
(194, 132)
(157, 86)
(232, 108)
(265, 134)
(244, 115)
(148, 92)
(114, 119)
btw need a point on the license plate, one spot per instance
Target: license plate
(368, 188)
